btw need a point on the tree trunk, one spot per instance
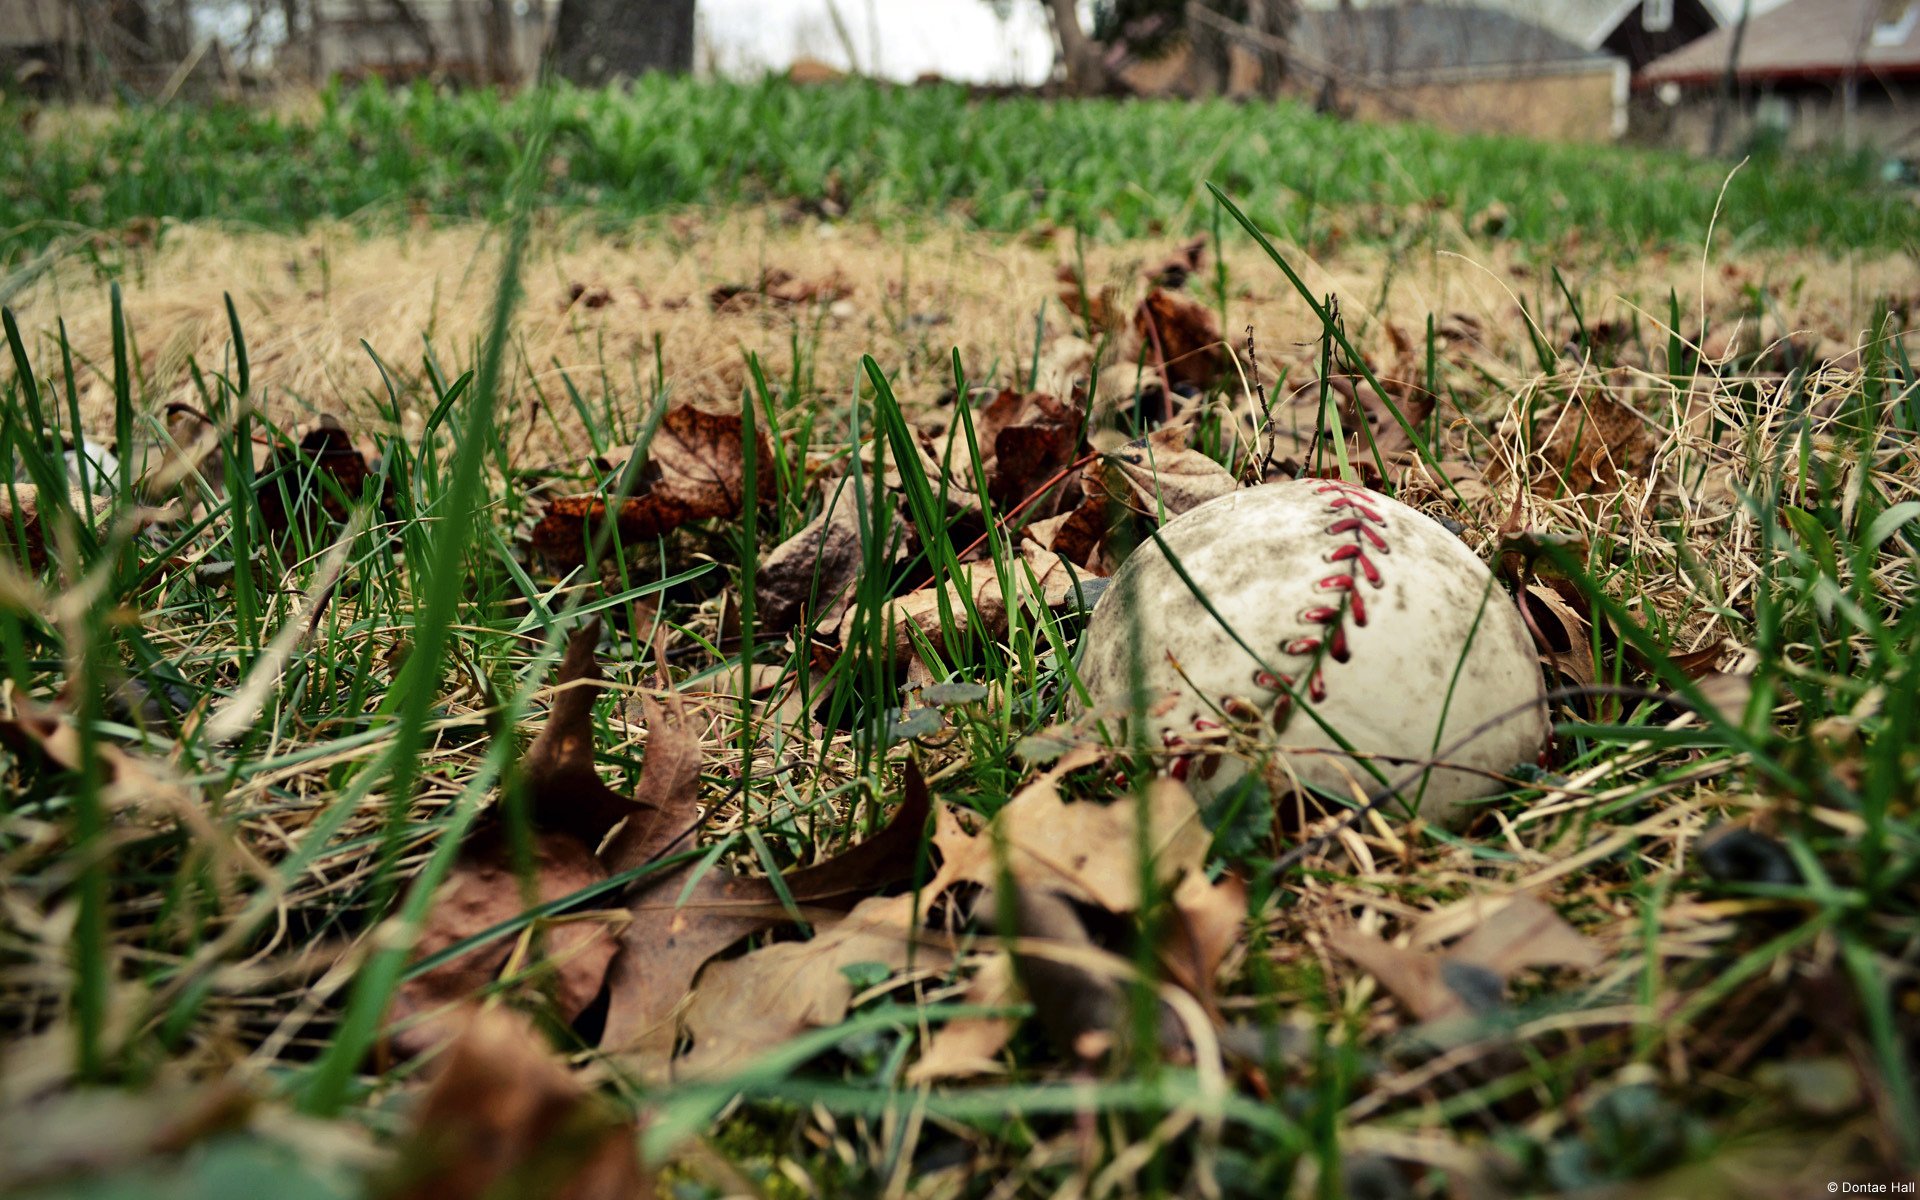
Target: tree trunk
(1211, 69)
(598, 41)
(503, 49)
(1728, 98)
(1087, 72)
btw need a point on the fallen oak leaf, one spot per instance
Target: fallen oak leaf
(1186, 260)
(483, 890)
(23, 518)
(1182, 339)
(749, 1005)
(322, 476)
(1470, 978)
(1101, 310)
(968, 1047)
(695, 469)
(571, 811)
(126, 780)
(809, 572)
(504, 1117)
(1561, 635)
(1032, 437)
(1161, 474)
(684, 917)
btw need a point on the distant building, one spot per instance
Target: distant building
(1470, 69)
(1637, 31)
(1812, 74)
(37, 38)
(1465, 68)
(402, 39)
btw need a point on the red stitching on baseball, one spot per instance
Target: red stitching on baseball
(1356, 554)
(1349, 501)
(1357, 525)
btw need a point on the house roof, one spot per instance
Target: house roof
(1806, 39)
(30, 22)
(1584, 22)
(1431, 40)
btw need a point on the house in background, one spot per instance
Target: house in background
(1813, 74)
(1637, 31)
(476, 40)
(1462, 67)
(1470, 69)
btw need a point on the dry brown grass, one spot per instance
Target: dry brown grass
(307, 302)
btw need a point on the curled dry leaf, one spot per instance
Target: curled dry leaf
(685, 917)
(1561, 633)
(1051, 586)
(1101, 310)
(483, 889)
(1186, 260)
(1031, 437)
(572, 811)
(1160, 473)
(811, 571)
(968, 1047)
(126, 780)
(1470, 978)
(1076, 992)
(504, 1117)
(325, 475)
(192, 445)
(1079, 536)
(695, 470)
(23, 523)
(748, 1005)
(778, 286)
(1592, 443)
(1182, 339)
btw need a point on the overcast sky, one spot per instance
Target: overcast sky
(960, 39)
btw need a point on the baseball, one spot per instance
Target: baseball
(1363, 622)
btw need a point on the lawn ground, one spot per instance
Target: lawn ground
(287, 751)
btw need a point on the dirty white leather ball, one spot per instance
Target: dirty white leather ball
(1367, 612)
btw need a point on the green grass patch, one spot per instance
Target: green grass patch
(1105, 167)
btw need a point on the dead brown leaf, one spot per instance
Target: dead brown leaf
(1205, 922)
(572, 811)
(749, 1005)
(1182, 339)
(685, 917)
(1032, 437)
(23, 523)
(778, 286)
(483, 890)
(1101, 310)
(1076, 1000)
(1160, 474)
(969, 1047)
(504, 1117)
(809, 572)
(695, 470)
(1173, 270)
(1051, 586)
(1470, 978)
(126, 780)
(1561, 633)
(563, 790)
(668, 799)
(323, 477)
(1590, 444)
